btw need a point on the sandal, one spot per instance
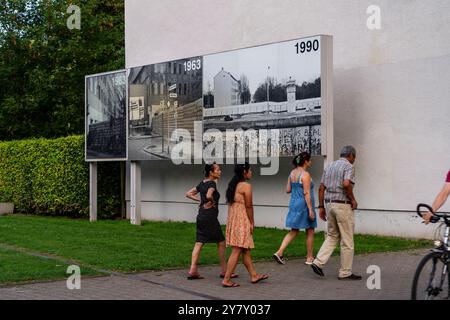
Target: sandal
(260, 278)
(195, 276)
(232, 285)
(279, 259)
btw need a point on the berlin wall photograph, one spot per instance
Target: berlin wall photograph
(275, 86)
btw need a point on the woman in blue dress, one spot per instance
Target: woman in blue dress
(301, 213)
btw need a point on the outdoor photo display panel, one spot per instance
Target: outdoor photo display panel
(106, 113)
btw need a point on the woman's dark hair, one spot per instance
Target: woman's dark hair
(300, 159)
(239, 171)
(209, 168)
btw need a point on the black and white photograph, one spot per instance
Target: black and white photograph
(163, 97)
(106, 101)
(275, 86)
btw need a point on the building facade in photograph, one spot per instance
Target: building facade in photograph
(226, 90)
(391, 98)
(105, 102)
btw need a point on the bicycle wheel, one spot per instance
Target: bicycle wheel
(430, 281)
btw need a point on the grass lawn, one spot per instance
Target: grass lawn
(120, 246)
(19, 267)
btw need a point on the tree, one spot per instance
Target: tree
(261, 92)
(277, 92)
(208, 98)
(43, 63)
(308, 90)
(245, 90)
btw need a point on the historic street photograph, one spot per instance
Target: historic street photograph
(163, 97)
(106, 136)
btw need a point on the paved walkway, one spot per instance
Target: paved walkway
(295, 280)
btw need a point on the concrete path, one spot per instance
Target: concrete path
(293, 281)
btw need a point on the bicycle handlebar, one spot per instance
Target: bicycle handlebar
(435, 218)
(420, 205)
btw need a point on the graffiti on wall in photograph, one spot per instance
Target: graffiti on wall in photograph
(275, 86)
(106, 113)
(163, 97)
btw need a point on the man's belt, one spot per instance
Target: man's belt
(338, 201)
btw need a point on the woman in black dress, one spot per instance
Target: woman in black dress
(208, 226)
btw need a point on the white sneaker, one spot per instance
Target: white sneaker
(278, 259)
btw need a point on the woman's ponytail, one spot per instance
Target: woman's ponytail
(239, 171)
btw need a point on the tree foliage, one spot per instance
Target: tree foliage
(277, 91)
(245, 90)
(43, 63)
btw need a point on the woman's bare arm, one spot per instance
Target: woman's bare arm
(209, 197)
(306, 181)
(192, 194)
(288, 185)
(248, 198)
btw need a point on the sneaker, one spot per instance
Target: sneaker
(317, 270)
(351, 277)
(278, 259)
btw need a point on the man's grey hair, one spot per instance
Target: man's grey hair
(347, 151)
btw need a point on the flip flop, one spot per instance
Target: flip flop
(233, 276)
(232, 285)
(194, 277)
(260, 278)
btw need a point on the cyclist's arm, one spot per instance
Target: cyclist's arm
(441, 197)
(439, 201)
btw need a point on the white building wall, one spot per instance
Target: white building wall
(391, 96)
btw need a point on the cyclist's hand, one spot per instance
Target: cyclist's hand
(426, 217)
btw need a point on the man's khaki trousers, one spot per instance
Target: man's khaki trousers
(341, 226)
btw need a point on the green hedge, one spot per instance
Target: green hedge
(42, 176)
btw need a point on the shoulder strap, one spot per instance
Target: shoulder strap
(300, 177)
(292, 176)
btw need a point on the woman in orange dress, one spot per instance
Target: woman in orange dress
(240, 224)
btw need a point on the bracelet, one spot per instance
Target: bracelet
(321, 207)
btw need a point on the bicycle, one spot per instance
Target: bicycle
(430, 278)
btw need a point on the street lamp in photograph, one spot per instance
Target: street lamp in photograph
(268, 81)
